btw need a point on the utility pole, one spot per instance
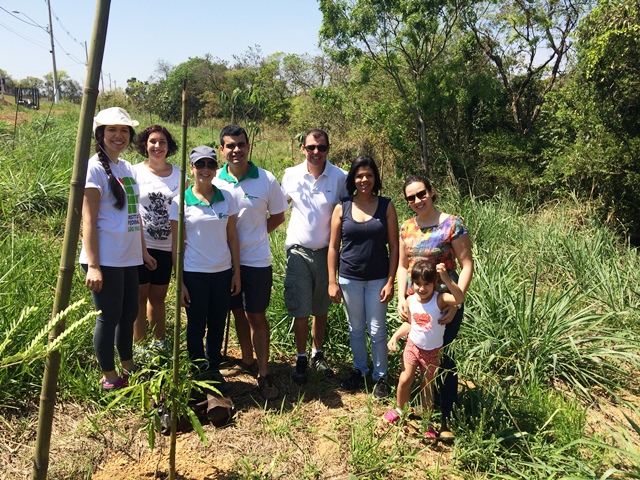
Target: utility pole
(49, 30)
(56, 90)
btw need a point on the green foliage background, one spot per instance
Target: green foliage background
(553, 313)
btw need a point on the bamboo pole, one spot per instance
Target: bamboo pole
(71, 234)
(179, 270)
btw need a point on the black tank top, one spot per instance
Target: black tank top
(364, 255)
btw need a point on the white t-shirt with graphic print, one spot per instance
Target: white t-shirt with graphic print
(425, 332)
(119, 241)
(156, 194)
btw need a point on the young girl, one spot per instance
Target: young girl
(425, 333)
(112, 244)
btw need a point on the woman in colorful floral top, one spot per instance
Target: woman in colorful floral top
(440, 238)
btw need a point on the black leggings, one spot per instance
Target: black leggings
(118, 301)
(448, 386)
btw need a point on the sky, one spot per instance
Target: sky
(141, 32)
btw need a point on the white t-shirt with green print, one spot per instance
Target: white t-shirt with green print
(119, 242)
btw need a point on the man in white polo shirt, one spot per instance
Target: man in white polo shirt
(313, 188)
(261, 209)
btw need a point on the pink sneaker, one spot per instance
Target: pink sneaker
(430, 434)
(108, 386)
(392, 416)
(126, 374)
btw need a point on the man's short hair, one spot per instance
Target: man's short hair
(233, 131)
(315, 132)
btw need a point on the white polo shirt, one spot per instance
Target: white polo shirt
(119, 240)
(256, 194)
(312, 203)
(205, 227)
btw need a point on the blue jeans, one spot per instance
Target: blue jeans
(365, 313)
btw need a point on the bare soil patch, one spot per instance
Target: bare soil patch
(306, 433)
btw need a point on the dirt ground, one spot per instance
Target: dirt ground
(304, 434)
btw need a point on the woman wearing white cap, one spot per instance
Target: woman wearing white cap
(112, 243)
(211, 262)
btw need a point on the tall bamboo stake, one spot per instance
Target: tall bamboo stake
(179, 270)
(71, 234)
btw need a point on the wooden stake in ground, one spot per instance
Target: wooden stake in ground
(71, 234)
(179, 269)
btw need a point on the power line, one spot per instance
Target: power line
(23, 37)
(32, 23)
(17, 17)
(55, 15)
(72, 57)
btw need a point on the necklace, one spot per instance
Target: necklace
(431, 222)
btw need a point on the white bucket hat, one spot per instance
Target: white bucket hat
(113, 116)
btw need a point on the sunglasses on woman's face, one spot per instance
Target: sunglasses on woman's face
(200, 164)
(422, 194)
(321, 148)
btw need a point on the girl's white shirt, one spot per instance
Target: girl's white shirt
(425, 331)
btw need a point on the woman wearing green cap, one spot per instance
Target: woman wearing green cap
(112, 244)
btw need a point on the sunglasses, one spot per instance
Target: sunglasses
(312, 148)
(422, 194)
(200, 164)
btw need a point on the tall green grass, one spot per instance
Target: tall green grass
(552, 315)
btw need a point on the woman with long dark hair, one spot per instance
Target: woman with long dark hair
(112, 244)
(159, 183)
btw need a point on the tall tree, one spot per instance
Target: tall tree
(402, 39)
(69, 88)
(609, 56)
(33, 82)
(528, 41)
(203, 76)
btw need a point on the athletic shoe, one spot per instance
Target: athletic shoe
(111, 385)
(126, 374)
(381, 389)
(320, 364)
(299, 372)
(354, 382)
(220, 383)
(268, 390)
(160, 345)
(446, 436)
(392, 416)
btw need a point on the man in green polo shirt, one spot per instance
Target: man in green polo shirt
(262, 206)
